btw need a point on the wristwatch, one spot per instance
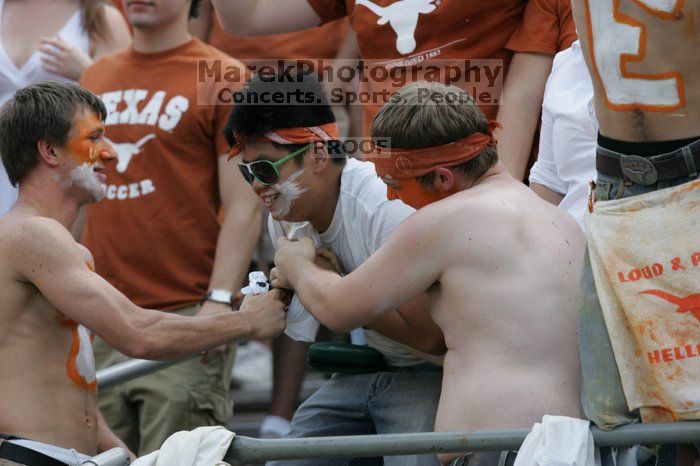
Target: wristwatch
(219, 295)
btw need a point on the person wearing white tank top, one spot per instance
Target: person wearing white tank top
(34, 48)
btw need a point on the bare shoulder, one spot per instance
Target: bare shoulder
(26, 237)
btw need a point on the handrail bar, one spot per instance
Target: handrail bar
(245, 450)
(132, 369)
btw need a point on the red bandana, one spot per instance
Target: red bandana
(299, 135)
(412, 163)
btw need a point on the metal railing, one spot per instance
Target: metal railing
(246, 450)
(132, 369)
(113, 457)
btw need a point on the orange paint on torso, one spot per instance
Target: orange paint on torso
(80, 365)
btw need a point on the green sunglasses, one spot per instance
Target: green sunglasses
(265, 171)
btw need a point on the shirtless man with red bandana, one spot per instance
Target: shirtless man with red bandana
(501, 267)
(53, 145)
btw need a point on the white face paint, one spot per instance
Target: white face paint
(85, 176)
(280, 197)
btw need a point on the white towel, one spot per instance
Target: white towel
(204, 446)
(558, 441)
(646, 264)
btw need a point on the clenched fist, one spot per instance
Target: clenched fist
(265, 313)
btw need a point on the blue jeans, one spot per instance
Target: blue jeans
(360, 404)
(603, 400)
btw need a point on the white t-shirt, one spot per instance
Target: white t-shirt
(568, 139)
(363, 220)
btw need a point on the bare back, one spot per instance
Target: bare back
(506, 301)
(644, 61)
(46, 362)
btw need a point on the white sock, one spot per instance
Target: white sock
(275, 425)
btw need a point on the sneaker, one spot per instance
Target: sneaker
(253, 365)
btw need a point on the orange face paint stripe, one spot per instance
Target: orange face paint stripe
(82, 148)
(625, 58)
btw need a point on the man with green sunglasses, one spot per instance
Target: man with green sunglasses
(287, 154)
(264, 171)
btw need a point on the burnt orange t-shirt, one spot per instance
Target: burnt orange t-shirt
(154, 235)
(547, 27)
(321, 42)
(402, 33)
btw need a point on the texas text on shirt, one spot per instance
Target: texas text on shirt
(173, 199)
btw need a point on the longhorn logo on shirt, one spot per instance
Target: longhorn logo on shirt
(126, 150)
(402, 16)
(690, 303)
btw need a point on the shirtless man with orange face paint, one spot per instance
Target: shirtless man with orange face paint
(501, 267)
(53, 145)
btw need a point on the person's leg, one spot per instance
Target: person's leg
(602, 397)
(406, 402)
(182, 397)
(288, 371)
(339, 407)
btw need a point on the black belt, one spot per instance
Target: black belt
(23, 455)
(646, 171)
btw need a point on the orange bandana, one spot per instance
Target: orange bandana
(412, 163)
(299, 135)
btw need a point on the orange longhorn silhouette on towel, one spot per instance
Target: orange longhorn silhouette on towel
(690, 303)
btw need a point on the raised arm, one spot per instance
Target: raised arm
(519, 113)
(405, 266)
(46, 255)
(264, 17)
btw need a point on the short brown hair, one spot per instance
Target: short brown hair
(36, 112)
(426, 114)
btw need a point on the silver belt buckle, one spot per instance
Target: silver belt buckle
(639, 170)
